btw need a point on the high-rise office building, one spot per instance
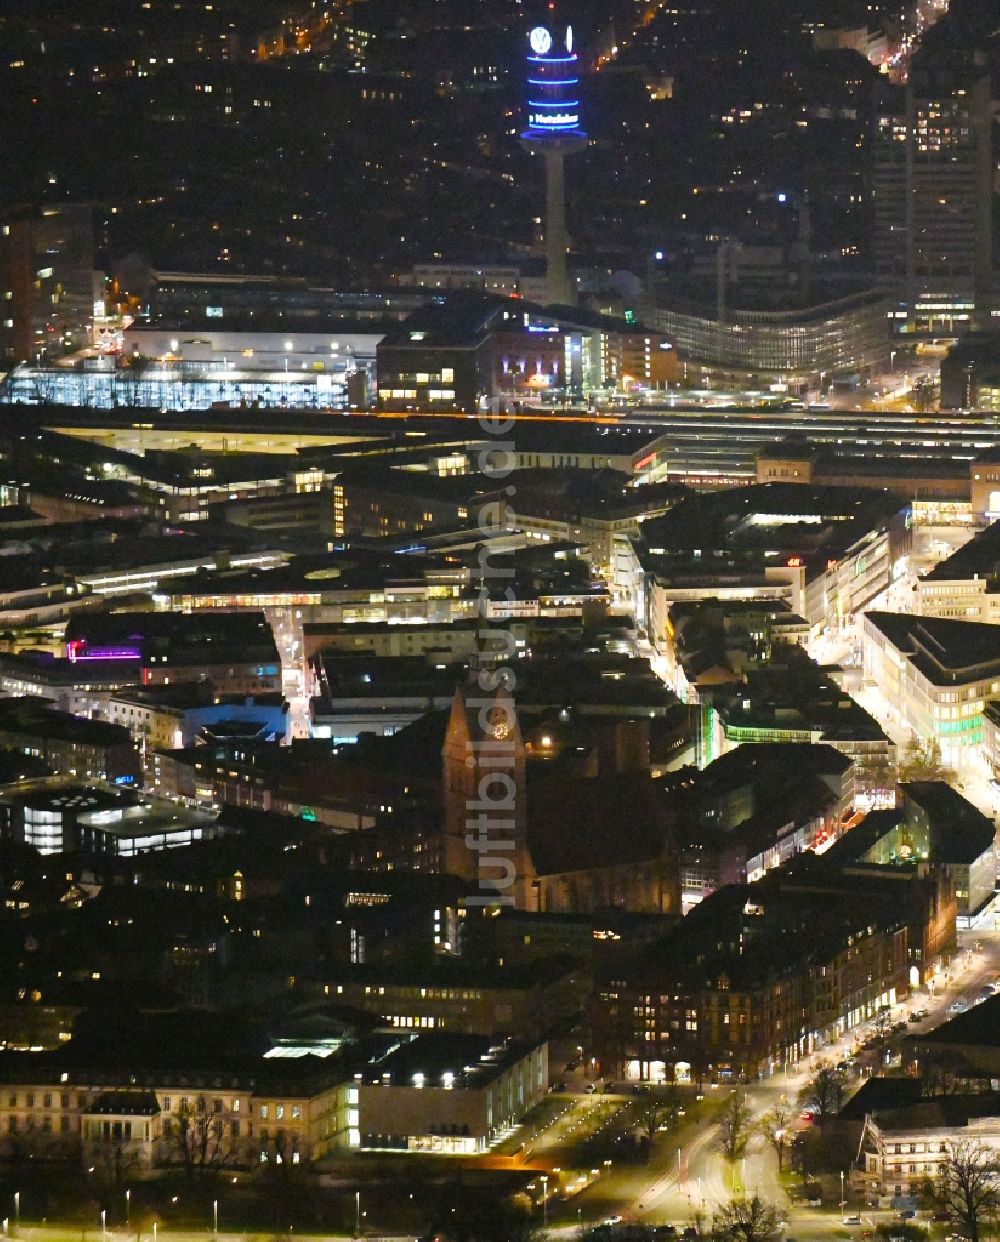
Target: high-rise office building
(48, 285)
(933, 200)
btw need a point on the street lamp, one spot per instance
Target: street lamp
(128, 1208)
(841, 1190)
(357, 1213)
(17, 1211)
(215, 1218)
(104, 1224)
(545, 1200)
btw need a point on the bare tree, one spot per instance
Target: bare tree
(882, 1026)
(198, 1140)
(823, 1092)
(655, 1110)
(946, 1073)
(26, 1143)
(734, 1128)
(280, 1156)
(699, 1222)
(968, 1187)
(747, 1220)
(776, 1128)
(921, 761)
(114, 1160)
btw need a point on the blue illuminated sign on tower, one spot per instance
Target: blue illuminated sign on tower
(553, 133)
(553, 87)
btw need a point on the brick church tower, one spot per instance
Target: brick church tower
(485, 797)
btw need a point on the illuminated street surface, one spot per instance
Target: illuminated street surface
(653, 1193)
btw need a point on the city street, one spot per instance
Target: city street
(687, 1174)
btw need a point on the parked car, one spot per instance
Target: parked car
(851, 1220)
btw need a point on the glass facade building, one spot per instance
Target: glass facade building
(839, 337)
(176, 387)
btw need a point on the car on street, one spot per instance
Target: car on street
(851, 1220)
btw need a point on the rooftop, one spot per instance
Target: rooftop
(978, 1026)
(945, 651)
(38, 718)
(980, 557)
(444, 1060)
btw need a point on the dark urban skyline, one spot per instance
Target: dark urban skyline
(499, 620)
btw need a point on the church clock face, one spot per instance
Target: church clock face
(498, 724)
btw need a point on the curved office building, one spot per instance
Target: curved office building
(797, 347)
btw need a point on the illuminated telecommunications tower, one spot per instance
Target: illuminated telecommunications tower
(554, 132)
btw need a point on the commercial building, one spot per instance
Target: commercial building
(796, 348)
(71, 686)
(222, 382)
(956, 837)
(790, 698)
(932, 191)
(991, 737)
(461, 998)
(338, 356)
(470, 352)
(933, 824)
(91, 750)
(837, 548)
(165, 717)
(235, 652)
(965, 586)
(48, 283)
(59, 819)
(711, 641)
(200, 300)
(754, 978)
(937, 676)
(755, 808)
(939, 485)
(970, 373)
(450, 1093)
(985, 491)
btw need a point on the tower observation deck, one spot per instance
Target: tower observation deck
(554, 131)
